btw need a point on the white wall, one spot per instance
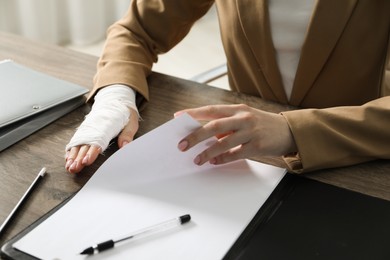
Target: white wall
(77, 22)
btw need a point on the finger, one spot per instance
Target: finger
(81, 156)
(91, 155)
(213, 111)
(70, 156)
(219, 136)
(82, 152)
(212, 128)
(76, 166)
(228, 143)
(236, 153)
(179, 113)
(129, 131)
(244, 151)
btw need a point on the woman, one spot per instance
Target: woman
(328, 57)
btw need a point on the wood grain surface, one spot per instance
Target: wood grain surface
(20, 163)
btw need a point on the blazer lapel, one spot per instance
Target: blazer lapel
(256, 27)
(327, 24)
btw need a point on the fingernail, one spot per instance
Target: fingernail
(213, 161)
(66, 155)
(177, 113)
(68, 163)
(73, 166)
(197, 160)
(183, 145)
(124, 143)
(85, 159)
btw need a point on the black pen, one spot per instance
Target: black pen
(140, 233)
(26, 194)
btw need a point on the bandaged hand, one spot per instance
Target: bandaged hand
(113, 112)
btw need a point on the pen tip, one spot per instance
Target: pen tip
(87, 251)
(185, 218)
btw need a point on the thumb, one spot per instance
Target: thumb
(128, 132)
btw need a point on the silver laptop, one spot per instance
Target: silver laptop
(29, 100)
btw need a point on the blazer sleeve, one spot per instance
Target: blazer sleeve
(133, 44)
(339, 136)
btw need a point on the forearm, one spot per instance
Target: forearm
(340, 136)
(133, 44)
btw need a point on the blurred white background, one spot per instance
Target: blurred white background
(78, 22)
(81, 25)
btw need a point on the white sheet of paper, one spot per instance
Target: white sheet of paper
(150, 181)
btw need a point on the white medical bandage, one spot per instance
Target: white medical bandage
(109, 115)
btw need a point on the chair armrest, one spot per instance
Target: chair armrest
(210, 75)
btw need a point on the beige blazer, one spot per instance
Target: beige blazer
(342, 82)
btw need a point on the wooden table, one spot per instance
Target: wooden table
(20, 163)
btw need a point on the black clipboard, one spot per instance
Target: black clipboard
(302, 219)
(9, 252)
(308, 219)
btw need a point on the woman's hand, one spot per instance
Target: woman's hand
(242, 132)
(84, 155)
